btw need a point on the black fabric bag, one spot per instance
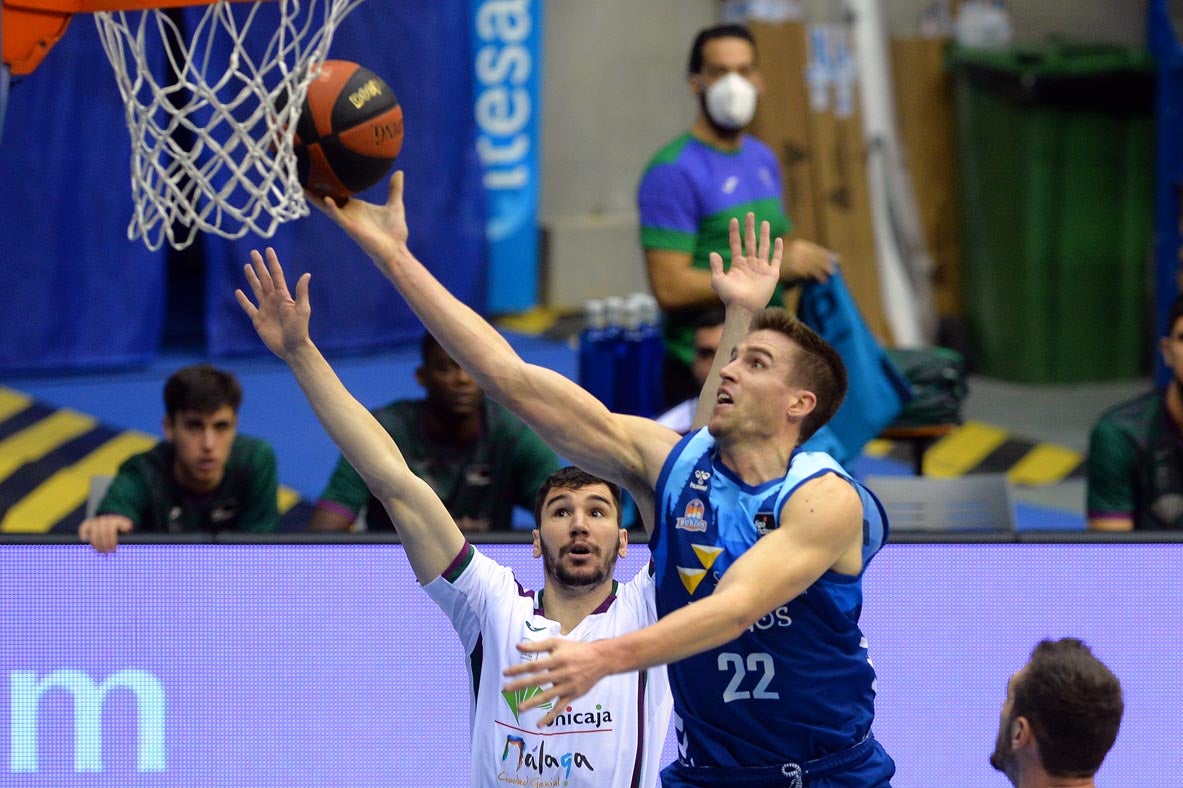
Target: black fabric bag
(938, 379)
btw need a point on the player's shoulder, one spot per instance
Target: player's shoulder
(671, 151)
(1132, 415)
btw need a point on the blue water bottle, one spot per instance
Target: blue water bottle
(615, 315)
(652, 356)
(597, 348)
(631, 391)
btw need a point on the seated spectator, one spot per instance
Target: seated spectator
(708, 331)
(1135, 464)
(1060, 718)
(203, 476)
(478, 457)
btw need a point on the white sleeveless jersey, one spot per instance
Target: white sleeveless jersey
(611, 737)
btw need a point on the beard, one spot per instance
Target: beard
(1003, 758)
(582, 577)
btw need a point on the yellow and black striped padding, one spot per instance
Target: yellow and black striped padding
(974, 447)
(48, 455)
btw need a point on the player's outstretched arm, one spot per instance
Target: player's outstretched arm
(575, 424)
(427, 531)
(745, 288)
(821, 528)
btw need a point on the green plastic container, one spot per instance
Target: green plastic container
(1055, 153)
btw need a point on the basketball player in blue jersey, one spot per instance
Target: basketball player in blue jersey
(759, 548)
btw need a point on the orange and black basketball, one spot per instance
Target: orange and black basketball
(349, 132)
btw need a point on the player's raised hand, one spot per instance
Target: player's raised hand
(280, 320)
(564, 670)
(755, 266)
(381, 230)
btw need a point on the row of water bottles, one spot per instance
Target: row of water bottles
(621, 353)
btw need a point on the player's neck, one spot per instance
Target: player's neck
(707, 132)
(1043, 780)
(571, 606)
(756, 461)
(451, 429)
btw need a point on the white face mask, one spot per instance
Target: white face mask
(731, 102)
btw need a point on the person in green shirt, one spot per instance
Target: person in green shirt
(1135, 462)
(204, 476)
(479, 458)
(697, 183)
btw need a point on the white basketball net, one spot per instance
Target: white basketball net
(211, 148)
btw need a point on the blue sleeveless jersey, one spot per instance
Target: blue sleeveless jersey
(798, 685)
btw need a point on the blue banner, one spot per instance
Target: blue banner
(507, 99)
(327, 665)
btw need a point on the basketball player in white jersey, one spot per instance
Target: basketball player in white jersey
(613, 736)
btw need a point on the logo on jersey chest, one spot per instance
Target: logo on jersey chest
(692, 576)
(765, 523)
(692, 517)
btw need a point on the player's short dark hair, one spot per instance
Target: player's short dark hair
(427, 344)
(572, 478)
(710, 34)
(818, 366)
(1074, 705)
(1175, 313)
(201, 388)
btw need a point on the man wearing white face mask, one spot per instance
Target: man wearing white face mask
(697, 183)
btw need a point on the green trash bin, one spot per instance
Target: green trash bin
(1055, 154)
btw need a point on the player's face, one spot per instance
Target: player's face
(755, 396)
(450, 390)
(1172, 351)
(723, 56)
(1003, 758)
(579, 537)
(202, 442)
(706, 342)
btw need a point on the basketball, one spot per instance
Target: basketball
(349, 132)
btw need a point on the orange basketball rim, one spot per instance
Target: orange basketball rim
(30, 28)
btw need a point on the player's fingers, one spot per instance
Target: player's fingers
(302, 288)
(260, 267)
(276, 271)
(733, 239)
(550, 715)
(99, 538)
(538, 699)
(537, 647)
(762, 249)
(778, 251)
(246, 304)
(749, 234)
(252, 278)
(395, 193)
(524, 675)
(716, 261)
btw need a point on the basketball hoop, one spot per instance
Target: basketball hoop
(211, 141)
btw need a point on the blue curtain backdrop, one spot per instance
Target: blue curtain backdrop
(76, 293)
